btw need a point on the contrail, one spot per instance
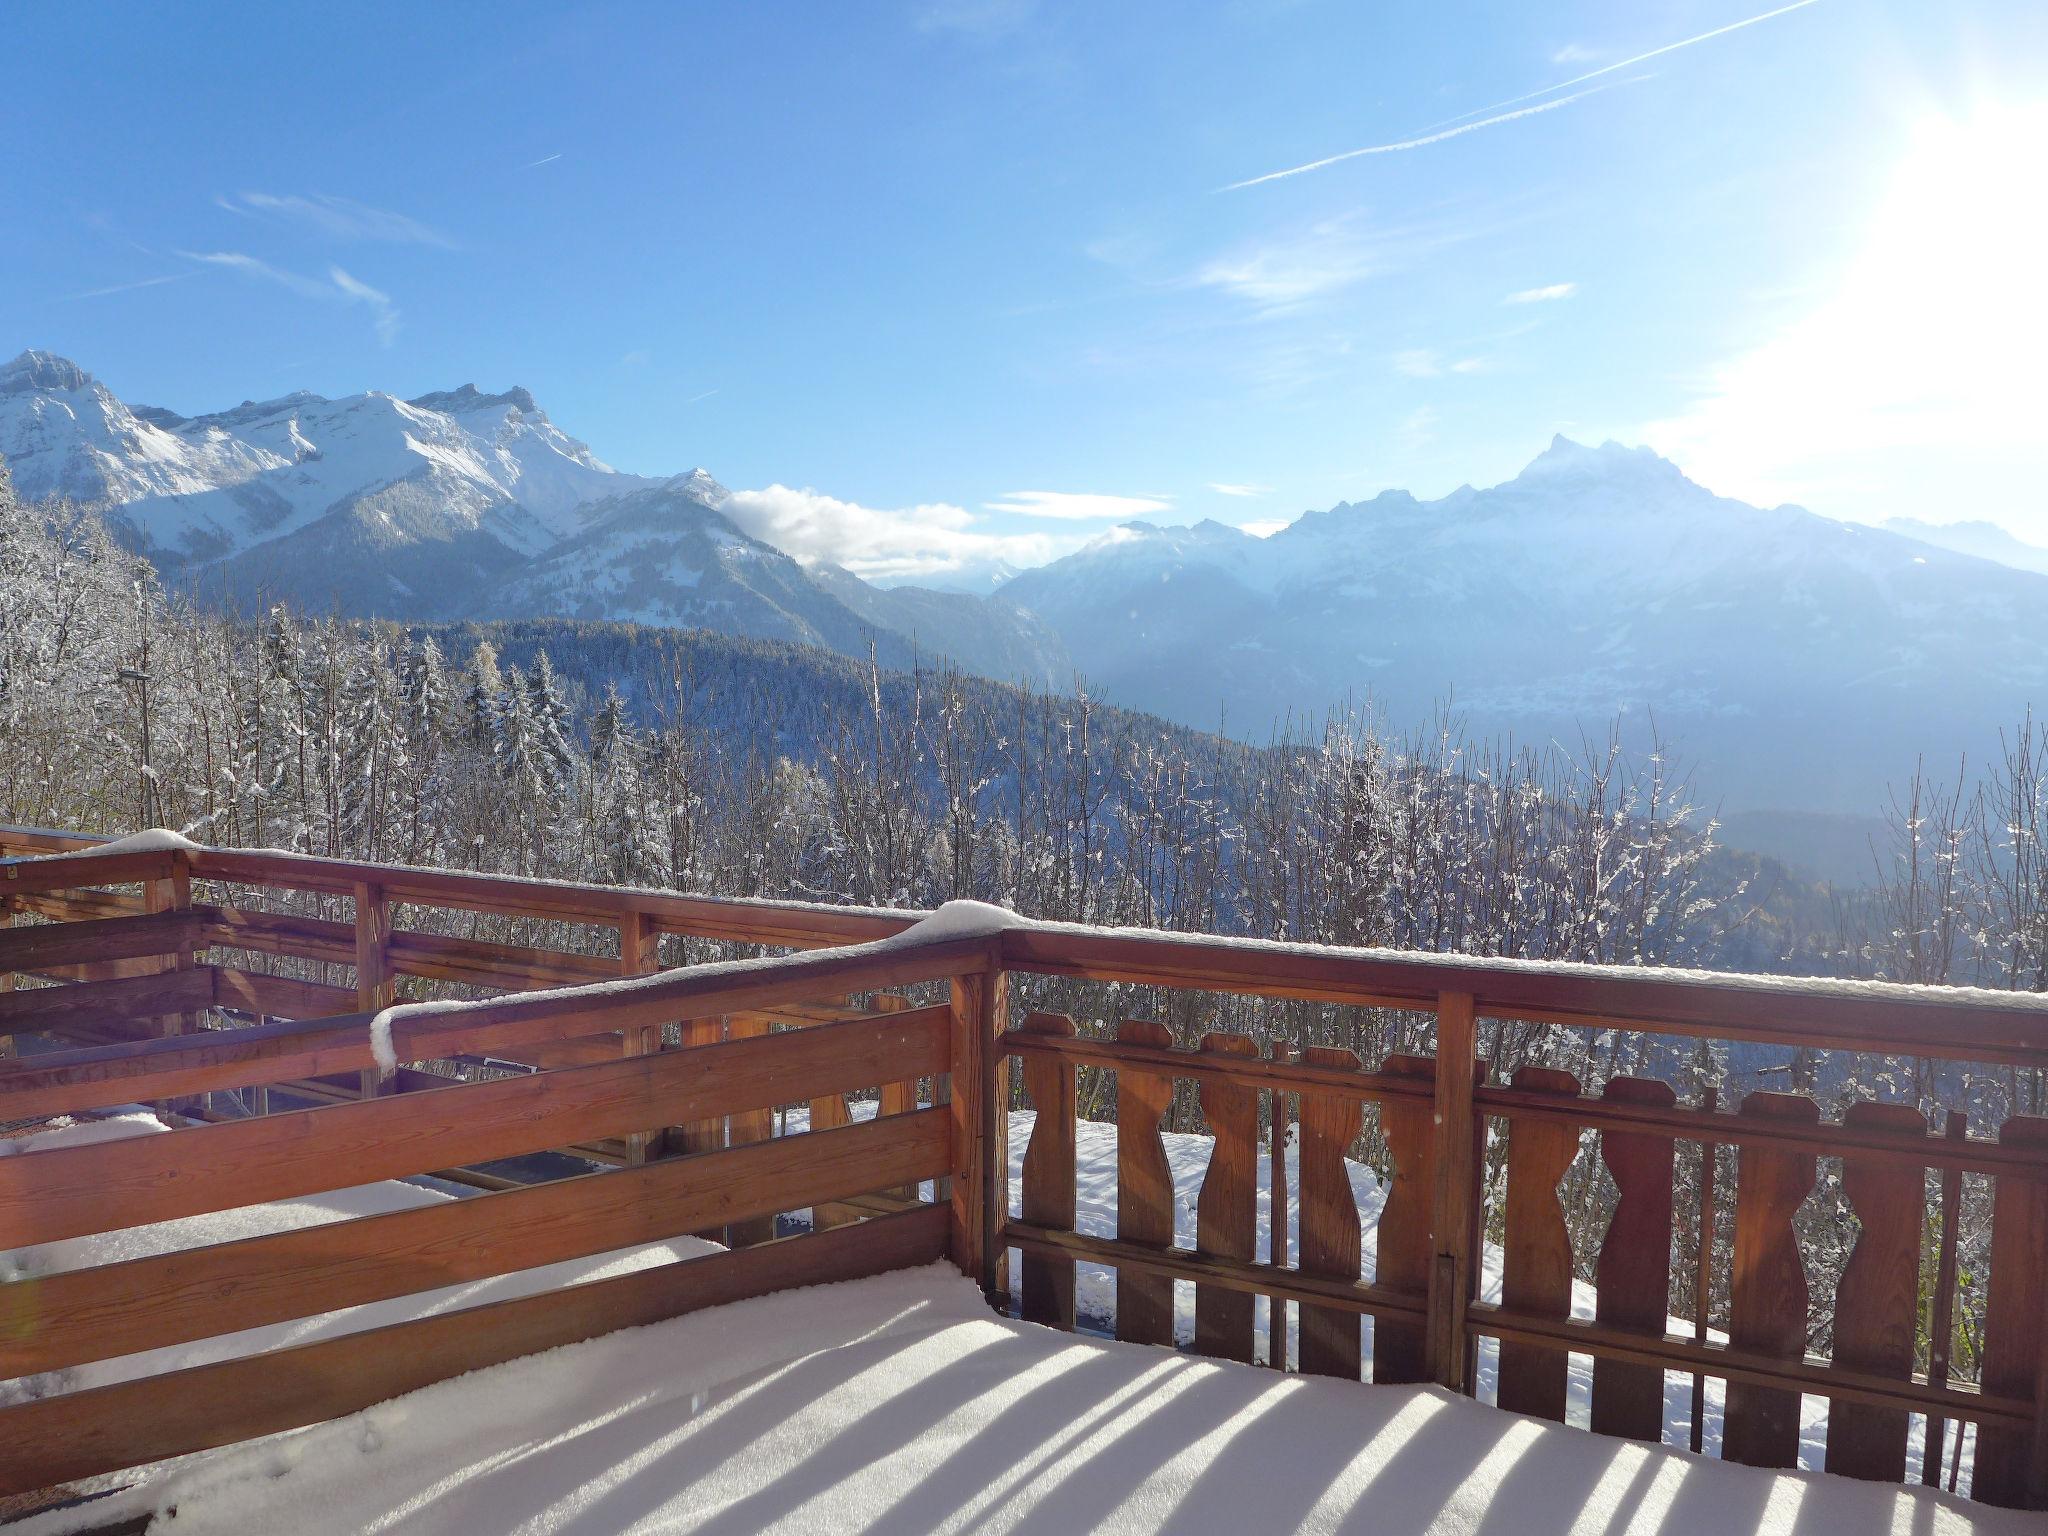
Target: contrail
(1608, 69)
(1432, 138)
(551, 159)
(1449, 131)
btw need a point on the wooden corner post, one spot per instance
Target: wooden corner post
(175, 895)
(376, 988)
(1456, 1195)
(980, 1118)
(640, 955)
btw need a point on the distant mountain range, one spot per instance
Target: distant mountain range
(1799, 663)
(456, 505)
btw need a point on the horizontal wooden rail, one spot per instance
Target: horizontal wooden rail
(121, 997)
(1955, 1024)
(1204, 1066)
(43, 945)
(1228, 1274)
(1823, 1138)
(1673, 1352)
(71, 872)
(195, 1293)
(62, 1439)
(76, 1191)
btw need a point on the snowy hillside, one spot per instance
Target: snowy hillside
(1798, 661)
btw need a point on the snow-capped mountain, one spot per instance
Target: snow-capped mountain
(455, 504)
(1800, 662)
(667, 556)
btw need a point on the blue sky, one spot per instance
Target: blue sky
(939, 278)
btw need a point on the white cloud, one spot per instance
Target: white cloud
(1417, 429)
(1547, 294)
(1077, 506)
(885, 544)
(340, 217)
(1265, 528)
(1916, 384)
(383, 312)
(1284, 274)
(337, 286)
(1574, 53)
(1425, 363)
(1229, 489)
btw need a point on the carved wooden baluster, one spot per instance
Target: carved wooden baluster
(1767, 1293)
(1536, 1270)
(1877, 1304)
(1941, 1327)
(1633, 1272)
(2014, 1332)
(1227, 1211)
(1404, 1253)
(1330, 1245)
(1047, 1195)
(1144, 1188)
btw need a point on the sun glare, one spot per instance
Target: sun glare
(1933, 337)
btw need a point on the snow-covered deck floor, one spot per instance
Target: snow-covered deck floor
(901, 1405)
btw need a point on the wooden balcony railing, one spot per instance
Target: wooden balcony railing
(677, 1077)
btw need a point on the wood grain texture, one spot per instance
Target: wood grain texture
(1454, 1223)
(1767, 1289)
(114, 1309)
(1144, 1188)
(746, 1127)
(1536, 1264)
(1330, 1341)
(125, 997)
(1047, 1193)
(74, 1191)
(2014, 1330)
(151, 935)
(1403, 1252)
(1877, 1302)
(1227, 1210)
(58, 1440)
(1633, 1271)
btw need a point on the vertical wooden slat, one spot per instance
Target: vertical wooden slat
(1877, 1303)
(1144, 1188)
(1768, 1292)
(1330, 1245)
(639, 955)
(896, 1098)
(1456, 1191)
(1536, 1265)
(1703, 1274)
(977, 1195)
(1942, 1319)
(1047, 1194)
(745, 1127)
(1227, 1211)
(994, 1070)
(1403, 1254)
(375, 986)
(1633, 1272)
(1277, 1119)
(2014, 1335)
